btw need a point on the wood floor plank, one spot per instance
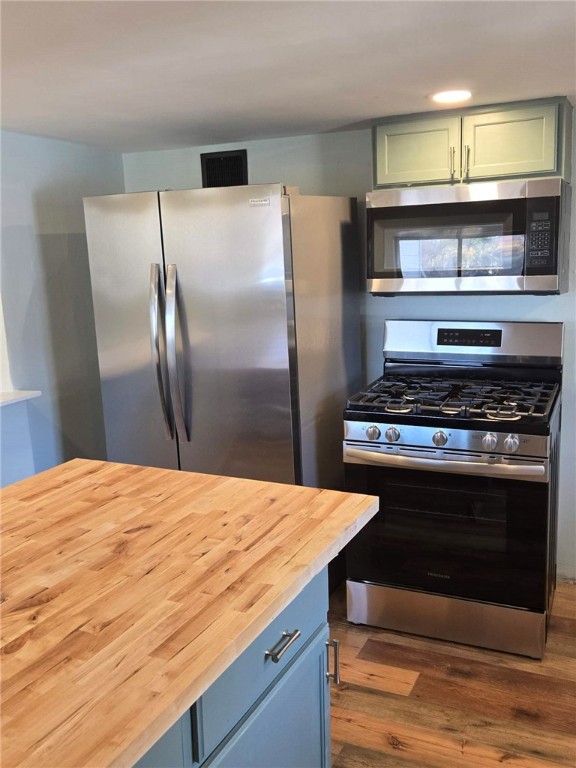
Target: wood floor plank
(374, 675)
(468, 707)
(482, 689)
(564, 604)
(425, 746)
(352, 756)
(555, 747)
(561, 638)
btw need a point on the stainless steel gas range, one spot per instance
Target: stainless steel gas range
(459, 439)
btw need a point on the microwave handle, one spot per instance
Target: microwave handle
(439, 465)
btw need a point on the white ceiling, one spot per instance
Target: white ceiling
(133, 75)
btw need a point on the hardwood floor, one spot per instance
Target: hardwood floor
(410, 702)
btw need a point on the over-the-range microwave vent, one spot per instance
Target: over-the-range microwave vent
(506, 237)
(224, 169)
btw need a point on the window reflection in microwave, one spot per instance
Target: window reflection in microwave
(425, 256)
(487, 255)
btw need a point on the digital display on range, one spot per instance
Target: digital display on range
(464, 337)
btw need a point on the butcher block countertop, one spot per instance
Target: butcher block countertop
(127, 591)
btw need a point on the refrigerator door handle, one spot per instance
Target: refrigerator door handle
(171, 349)
(158, 297)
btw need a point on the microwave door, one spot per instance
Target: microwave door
(409, 253)
(438, 253)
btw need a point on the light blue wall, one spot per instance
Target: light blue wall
(327, 164)
(47, 301)
(340, 163)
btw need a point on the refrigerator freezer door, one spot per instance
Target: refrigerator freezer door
(227, 245)
(123, 233)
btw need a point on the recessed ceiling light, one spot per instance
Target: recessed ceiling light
(451, 97)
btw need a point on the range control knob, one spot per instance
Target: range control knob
(439, 439)
(373, 433)
(392, 434)
(511, 443)
(490, 441)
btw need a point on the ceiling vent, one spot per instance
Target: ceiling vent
(224, 169)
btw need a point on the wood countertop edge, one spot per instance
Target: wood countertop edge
(173, 700)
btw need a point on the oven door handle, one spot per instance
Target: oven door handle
(439, 465)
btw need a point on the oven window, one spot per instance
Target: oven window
(428, 241)
(470, 537)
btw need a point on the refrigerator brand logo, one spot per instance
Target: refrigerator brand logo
(438, 575)
(257, 202)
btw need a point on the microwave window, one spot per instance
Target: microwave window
(448, 246)
(427, 256)
(499, 254)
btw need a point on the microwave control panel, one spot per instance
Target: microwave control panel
(540, 234)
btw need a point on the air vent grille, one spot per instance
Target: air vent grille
(224, 169)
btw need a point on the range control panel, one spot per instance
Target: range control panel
(483, 445)
(467, 337)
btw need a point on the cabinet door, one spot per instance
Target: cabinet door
(290, 727)
(417, 151)
(511, 142)
(237, 690)
(173, 750)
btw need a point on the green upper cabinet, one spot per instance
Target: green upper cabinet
(501, 141)
(417, 150)
(510, 142)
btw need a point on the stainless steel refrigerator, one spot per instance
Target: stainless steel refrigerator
(228, 329)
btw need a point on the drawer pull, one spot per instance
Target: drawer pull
(336, 674)
(282, 645)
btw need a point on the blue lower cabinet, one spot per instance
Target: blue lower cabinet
(173, 750)
(290, 726)
(237, 690)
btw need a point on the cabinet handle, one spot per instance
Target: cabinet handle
(466, 159)
(452, 162)
(336, 674)
(282, 645)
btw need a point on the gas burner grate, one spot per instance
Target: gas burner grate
(496, 400)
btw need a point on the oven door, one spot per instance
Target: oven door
(472, 537)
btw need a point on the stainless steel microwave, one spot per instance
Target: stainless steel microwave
(502, 237)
